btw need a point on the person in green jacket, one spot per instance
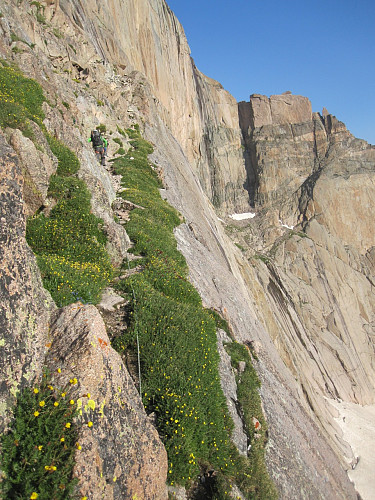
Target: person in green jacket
(100, 144)
(105, 143)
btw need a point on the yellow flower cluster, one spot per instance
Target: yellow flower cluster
(50, 467)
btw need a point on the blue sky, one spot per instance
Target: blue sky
(324, 50)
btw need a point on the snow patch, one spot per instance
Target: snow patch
(358, 426)
(285, 225)
(247, 215)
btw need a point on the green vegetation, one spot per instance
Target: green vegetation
(261, 257)
(39, 15)
(219, 321)
(118, 141)
(177, 338)
(99, 102)
(21, 100)
(69, 243)
(17, 50)
(120, 151)
(15, 38)
(133, 132)
(38, 451)
(240, 247)
(68, 161)
(120, 131)
(57, 33)
(253, 480)
(301, 234)
(40, 18)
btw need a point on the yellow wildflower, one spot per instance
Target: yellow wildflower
(36, 390)
(36, 413)
(67, 425)
(33, 496)
(90, 424)
(42, 403)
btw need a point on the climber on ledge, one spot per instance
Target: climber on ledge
(100, 145)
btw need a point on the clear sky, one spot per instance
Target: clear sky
(322, 49)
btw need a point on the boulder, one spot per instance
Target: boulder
(116, 460)
(25, 306)
(37, 168)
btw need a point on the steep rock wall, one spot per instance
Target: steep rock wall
(25, 306)
(145, 36)
(116, 459)
(217, 269)
(312, 185)
(155, 83)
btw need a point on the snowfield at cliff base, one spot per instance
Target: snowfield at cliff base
(246, 215)
(357, 424)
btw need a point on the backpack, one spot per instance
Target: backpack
(96, 138)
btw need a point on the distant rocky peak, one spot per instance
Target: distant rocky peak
(278, 109)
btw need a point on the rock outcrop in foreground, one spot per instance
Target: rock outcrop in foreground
(124, 462)
(298, 287)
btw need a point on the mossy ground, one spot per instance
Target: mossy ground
(177, 339)
(21, 100)
(254, 480)
(70, 244)
(38, 451)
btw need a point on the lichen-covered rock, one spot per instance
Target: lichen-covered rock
(122, 456)
(37, 167)
(25, 306)
(229, 386)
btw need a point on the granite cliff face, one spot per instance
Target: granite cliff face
(146, 37)
(299, 288)
(313, 183)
